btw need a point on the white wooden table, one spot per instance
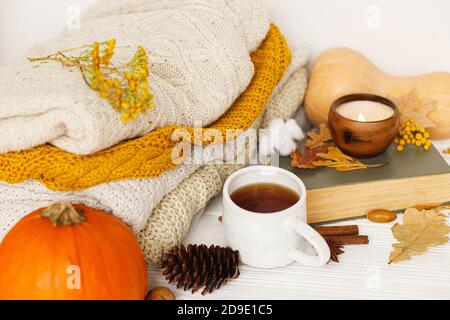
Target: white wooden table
(363, 272)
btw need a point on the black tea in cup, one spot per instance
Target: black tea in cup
(264, 197)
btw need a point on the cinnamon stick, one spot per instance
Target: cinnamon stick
(338, 230)
(349, 239)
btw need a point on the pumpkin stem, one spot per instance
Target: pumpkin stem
(63, 213)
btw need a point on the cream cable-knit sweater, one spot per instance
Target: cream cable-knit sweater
(130, 200)
(199, 64)
(171, 219)
(249, 15)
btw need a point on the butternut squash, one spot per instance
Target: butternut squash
(342, 71)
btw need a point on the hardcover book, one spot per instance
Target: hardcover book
(405, 179)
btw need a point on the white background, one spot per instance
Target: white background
(406, 37)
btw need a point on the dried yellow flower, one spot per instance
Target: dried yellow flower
(126, 87)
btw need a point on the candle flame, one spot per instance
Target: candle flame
(361, 118)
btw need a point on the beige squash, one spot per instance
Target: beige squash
(341, 71)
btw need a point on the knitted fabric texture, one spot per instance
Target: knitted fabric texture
(199, 65)
(249, 15)
(170, 220)
(150, 155)
(130, 200)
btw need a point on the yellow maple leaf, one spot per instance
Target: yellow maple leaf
(420, 231)
(336, 159)
(431, 206)
(318, 139)
(411, 105)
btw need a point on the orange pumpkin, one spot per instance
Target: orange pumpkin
(70, 251)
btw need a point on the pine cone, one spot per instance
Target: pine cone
(199, 266)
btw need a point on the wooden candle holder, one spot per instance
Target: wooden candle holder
(363, 139)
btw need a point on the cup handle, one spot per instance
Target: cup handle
(316, 240)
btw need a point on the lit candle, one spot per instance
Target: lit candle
(365, 111)
(362, 124)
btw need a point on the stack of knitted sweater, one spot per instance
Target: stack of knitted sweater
(217, 63)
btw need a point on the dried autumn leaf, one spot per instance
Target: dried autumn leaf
(420, 231)
(335, 158)
(430, 206)
(412, 106)
(447, 151)
(305, 161)
(318, 139)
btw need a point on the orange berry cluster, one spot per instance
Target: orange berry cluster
(411, 133)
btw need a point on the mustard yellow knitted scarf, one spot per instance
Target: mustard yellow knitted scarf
(150, 155)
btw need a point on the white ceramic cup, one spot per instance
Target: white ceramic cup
(276, 239)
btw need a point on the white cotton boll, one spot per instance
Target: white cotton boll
(282, 137)
(294, 129)
(286, 143)
(276, 124)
